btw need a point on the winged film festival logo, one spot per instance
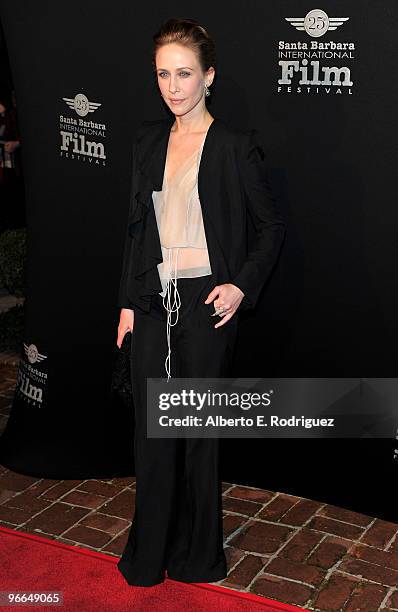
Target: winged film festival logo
(81, 104)
(316, 22)
(32, 353)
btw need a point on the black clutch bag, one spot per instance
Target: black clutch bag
(121, 374)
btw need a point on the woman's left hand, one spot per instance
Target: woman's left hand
(229, 298)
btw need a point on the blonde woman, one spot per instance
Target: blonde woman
(187, 273)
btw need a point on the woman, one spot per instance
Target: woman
(186, 253)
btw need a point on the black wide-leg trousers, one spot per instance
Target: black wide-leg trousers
(177, 524)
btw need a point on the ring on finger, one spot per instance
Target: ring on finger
(218, 311)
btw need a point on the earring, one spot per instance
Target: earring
(207, 91)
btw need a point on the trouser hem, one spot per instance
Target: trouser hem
(145, 582)
(204, 578)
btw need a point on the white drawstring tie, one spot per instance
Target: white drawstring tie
(171, 307)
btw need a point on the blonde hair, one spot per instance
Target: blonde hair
(189, 33)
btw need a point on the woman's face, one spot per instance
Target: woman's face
(180, 77)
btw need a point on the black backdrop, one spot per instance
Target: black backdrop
(330, 308)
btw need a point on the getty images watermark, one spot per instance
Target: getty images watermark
(272, 407)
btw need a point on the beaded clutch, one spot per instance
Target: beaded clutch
(121, 373)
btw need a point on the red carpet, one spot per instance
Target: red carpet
(90, 581)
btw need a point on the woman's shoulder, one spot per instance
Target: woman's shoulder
(239, 135)
(227, 132)
(244, 140)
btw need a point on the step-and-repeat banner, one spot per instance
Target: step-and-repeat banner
(318, 84)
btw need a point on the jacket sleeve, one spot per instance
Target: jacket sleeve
(123, 301)
(269, 225)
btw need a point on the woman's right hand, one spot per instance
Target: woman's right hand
(126, 323)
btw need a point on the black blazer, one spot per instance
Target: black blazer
(232, 181)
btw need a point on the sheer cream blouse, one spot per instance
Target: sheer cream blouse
(181, 232)
(180, 224)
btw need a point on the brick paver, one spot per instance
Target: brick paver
(295, 550)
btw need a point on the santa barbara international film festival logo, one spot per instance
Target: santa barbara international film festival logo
(315, 64)
(82, 139)
(32, 379)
